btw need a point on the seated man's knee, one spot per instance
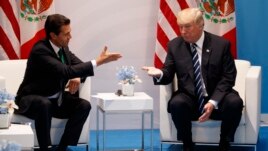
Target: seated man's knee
(236, 103)
(178, 105)
(85, 105)
(42, 103)
(233, 104)
(45, 106)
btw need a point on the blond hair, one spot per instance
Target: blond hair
(190, 15)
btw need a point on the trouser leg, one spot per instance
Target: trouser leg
(231, 111)
(77, 111)
(40, 111)
(181, 109)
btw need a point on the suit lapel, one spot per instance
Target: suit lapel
(188, 54)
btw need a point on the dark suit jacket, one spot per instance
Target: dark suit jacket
(218, 67)
(45, 72)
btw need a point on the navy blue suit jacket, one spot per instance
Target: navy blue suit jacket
(218, 67)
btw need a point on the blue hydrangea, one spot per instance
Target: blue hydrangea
(126, 74)
(3, 110)
(9, 146)
(4, 96)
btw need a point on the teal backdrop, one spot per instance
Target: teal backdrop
(252, 41)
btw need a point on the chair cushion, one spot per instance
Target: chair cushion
(56, 123)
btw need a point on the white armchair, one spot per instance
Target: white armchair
(11, 75)
(248, 84)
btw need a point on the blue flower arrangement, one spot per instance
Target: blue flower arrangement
(9, 146)
(7, 104)
(127, 75)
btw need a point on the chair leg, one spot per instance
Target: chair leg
(87, 147)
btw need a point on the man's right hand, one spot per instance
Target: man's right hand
(152, 71)
(106, 57)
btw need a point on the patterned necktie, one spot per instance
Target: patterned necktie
(60, 53)
(197, 75)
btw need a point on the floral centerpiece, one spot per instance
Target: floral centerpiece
(7, 106)
(127, 77)
(6, 145)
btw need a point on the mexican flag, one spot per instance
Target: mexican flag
(220, 19)
(33, 14)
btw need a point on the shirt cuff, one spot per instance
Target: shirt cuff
(94, 63)
(159, 79)
(215, 103)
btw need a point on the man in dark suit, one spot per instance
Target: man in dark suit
(216, 80)
(42, 94)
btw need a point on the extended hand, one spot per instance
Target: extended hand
(106, 57)
(152, 71)
(73, 85)
(208, 108)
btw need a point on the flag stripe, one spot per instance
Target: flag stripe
(183, 4)
(161, 52)
(6, 44)
(157, 61)
(231, 35)
(171, 18)
(174, 6)
(161, 42)
(8, 10)
(170, 33)
(162, 38)
(10, 32)
(27, 46)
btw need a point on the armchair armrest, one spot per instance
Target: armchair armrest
(85, 89)
(2, 82)
(253, 101)
(167, 127)
(85, 93)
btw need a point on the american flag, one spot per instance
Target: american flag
(9, 30)
(219, 19)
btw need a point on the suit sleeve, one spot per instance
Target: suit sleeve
(168, 68)
(48, 60)
(74, 61)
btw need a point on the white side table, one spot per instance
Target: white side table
(20, 134)
(111, 103)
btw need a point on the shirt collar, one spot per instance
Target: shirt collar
(55, 48)
(200, 41)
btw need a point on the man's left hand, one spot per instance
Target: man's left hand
(73, 85)
(107, 56)
(208, 108)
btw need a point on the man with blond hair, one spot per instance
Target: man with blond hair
(206, 73)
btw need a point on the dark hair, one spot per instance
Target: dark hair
(54, 23)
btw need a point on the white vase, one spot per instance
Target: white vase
(5, 120)
(128, 89)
